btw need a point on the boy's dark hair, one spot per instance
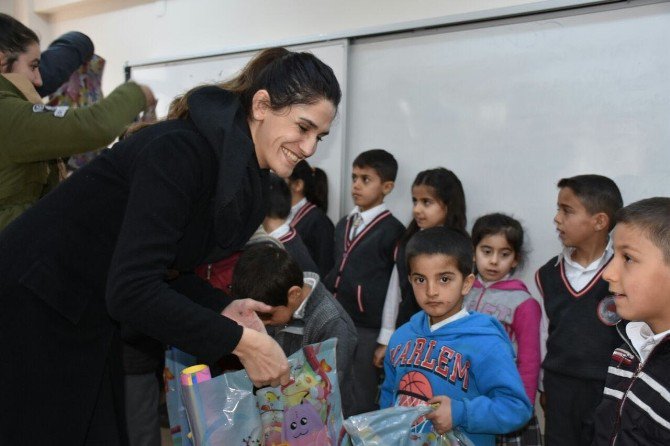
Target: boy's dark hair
(315, 184)
(265, 273)
(597, 193)
(444, 241)
(279, 199)
(381, 161)
(652, 217)
(497, 223)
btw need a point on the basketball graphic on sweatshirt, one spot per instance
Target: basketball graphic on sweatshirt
(414, 390)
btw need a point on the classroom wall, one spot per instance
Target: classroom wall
(134, 30)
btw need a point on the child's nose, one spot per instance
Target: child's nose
(609, 274)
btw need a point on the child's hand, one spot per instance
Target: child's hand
(441, 417)
(378, 358)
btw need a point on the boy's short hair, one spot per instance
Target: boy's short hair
(265, 273)
(652, 217)
(596, 192)
(445, 241)
(381, 161)
(279, 199)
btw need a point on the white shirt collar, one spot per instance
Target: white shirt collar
(311, 280)
(370, 214)
(593, 266)
(280, 231)
(643, 339)
(295, 209)
(461, 314)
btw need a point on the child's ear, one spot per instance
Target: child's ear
(297, 186)
(260, 104)
(294, 296)
(387, 187)
(467, 284)
(601, 221)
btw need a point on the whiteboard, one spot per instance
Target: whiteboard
(511, 108)
(170, 79)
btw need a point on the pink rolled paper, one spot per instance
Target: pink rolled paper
(195, 374)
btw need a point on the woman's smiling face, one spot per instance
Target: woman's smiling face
(282, 138)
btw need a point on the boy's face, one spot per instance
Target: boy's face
(639, 278)
(282, 314)
(438, 285)
(367, 188)
(574, 223)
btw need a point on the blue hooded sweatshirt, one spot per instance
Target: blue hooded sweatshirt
(470, 360)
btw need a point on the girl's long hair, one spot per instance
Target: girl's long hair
(449, 191)
(315, 184)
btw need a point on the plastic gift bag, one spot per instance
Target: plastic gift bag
(176, 361)
(394, 426)
(306, 412)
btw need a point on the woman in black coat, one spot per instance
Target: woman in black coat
(97, 251)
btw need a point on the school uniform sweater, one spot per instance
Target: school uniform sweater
(321, 318)
(509, 301)
(316, 231)
(470, 360)
(635, 409)
(295, 246)
(579, 342)
(363, 267)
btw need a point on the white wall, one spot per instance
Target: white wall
(135, 30)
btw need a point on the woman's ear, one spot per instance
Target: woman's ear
(260, 104)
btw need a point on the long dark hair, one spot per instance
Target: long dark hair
(510, 228)
(449, 191)
(289, 77)
(315, 184)
(15, 37)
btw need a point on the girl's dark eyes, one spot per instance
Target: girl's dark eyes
(319, 138)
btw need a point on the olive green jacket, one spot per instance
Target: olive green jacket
(31, 135)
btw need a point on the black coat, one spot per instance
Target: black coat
(95, 252)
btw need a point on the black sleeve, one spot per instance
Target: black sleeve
(323, 241)
(168, 177)
(62, 58)
(200, 291)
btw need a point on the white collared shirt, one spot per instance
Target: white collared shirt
(295, 209)
(579, 276)
(309, 279)
(367, 217)
(461, 314)
(280, 231)
(643, 339)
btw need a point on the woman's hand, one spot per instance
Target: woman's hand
(441, 417)
(243, 311)
(263, 359)
(149, 98)
(378, 358)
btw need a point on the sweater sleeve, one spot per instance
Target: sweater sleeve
(502, 405)
(167, 178)
(390, 311)
(40, 136)
(388, 385)
(201, 292)
(526, 326)
(63, 57)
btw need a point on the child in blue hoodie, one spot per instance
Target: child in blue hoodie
(461, 360)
